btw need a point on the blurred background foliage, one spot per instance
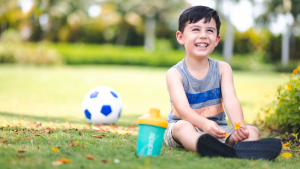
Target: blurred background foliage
(137, 32)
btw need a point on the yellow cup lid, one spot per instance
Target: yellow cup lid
(153, 118)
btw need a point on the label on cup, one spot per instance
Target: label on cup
(150, 144)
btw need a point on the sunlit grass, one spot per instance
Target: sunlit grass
(53, 95)
(58, 91)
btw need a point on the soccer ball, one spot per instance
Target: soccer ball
(102, 105)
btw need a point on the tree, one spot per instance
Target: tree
(290, 9)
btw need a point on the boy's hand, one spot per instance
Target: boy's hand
(213, 128)
(240, 134)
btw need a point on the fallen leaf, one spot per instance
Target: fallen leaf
(55, 150)
(22, 151)
(116, 160)
(170, 148)
(71, 136)
(68, 152)
(97, 136)
(83, 147)
(57, 163)
(96, 128)
(3, 141)
(90, 157)
(80, 134)
(28, 138)
(67, 131)
(124, 140)
(64, 160)
(37, 135)
(38, 147)
(20, 156)
(1, 137)
(105, 161)
(15, 140)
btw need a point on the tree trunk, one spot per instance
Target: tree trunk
(285, 47)
(150, 34)
(228, 42)
(121, 40)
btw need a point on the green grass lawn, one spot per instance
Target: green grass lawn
(53, 95)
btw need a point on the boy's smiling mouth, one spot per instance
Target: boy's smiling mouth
(201, 45)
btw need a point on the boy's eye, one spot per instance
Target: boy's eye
(210, 30)
(196, 29)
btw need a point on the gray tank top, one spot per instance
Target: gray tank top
(204, 96)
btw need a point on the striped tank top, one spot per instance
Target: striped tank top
(204, 96)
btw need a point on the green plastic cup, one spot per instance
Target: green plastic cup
(151, 133)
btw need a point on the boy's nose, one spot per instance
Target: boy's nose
(202, 35)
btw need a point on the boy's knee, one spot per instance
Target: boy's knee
(182, 125)
(253, 130)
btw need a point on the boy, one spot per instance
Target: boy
(198, 86)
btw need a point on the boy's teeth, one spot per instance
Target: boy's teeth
(202, 45)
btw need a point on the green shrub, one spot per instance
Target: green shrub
(110, 54)
(284, 114)
(13, 50)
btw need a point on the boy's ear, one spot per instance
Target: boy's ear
(217, 40)
(179, 37)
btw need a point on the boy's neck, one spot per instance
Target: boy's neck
(198, 68)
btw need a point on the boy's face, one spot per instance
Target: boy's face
(199, 39)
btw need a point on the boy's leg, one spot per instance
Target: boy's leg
(185, 133)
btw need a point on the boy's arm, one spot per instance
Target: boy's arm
(231, 103)
(181, 104)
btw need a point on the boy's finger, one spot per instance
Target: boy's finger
(238, 137)
(220, 131)
(234, 138)
(241, 134)
(218, 135)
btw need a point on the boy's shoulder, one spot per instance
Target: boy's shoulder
(224, 67)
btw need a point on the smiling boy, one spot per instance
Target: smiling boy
(199, 87)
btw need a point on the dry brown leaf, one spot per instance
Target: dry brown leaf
(97, 136)
(3, 141)
(67, 131)
(22, 151)
(57, 163)
(1, 137)
(20, 156)
(80, 133)
(37, 135)
(38, 147)
(71, 136)
(90, 157)
(28, 138)
(170, 148)
(15, 140)
(105, 161)
(83, 147)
